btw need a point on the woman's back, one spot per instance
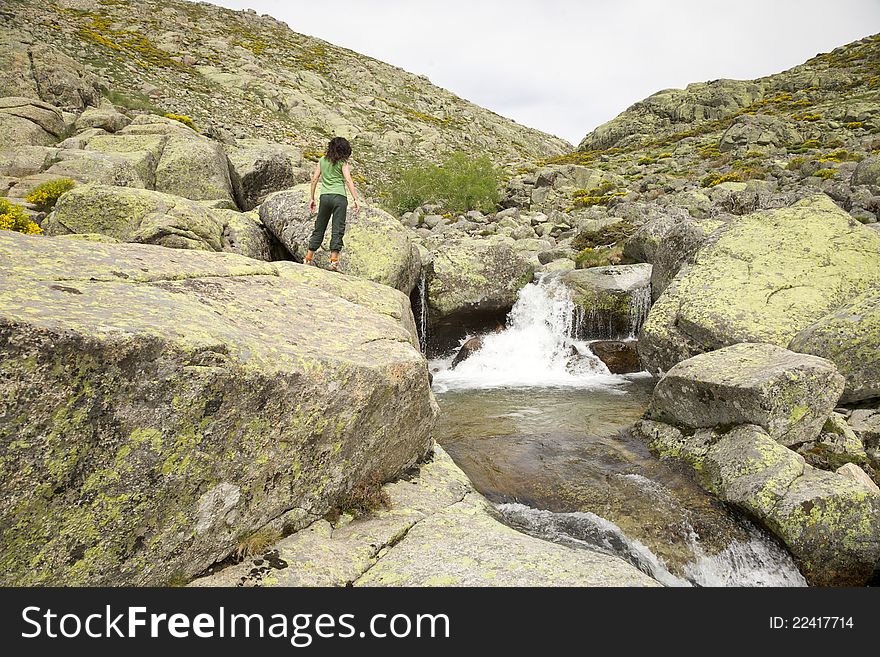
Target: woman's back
(332, 180)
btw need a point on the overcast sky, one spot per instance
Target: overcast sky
(566, 66)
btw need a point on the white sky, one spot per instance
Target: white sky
(566, 66)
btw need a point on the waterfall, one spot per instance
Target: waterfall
(639, 306)
(539, 347)
(756, 562)
(423, 312)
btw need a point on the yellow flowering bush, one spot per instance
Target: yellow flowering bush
(13, 217)
(45, 195)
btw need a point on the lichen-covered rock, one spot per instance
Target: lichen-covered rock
(835, 446)
(614, 299)
(829, 522)
(759, 132)
(748, 468)
(28, 122)
(790, 395)
(136, 215)
(106, 117)
(471, 275)
(679, 245)
(850, 337)
(161, 405)
(244, 233)
(195, 168)
(867, 172)
(831, 525)
(377, 246)
(260, 168)
(764, 277)
(42, 72)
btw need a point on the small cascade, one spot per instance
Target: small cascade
(639, 306)
(539, 347)
(423, 311)
(756, 562)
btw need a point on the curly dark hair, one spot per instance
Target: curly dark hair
(338, 150)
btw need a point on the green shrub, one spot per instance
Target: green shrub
(604, 236)
(795, 163)
(460, 184)
(716, 178)
(13, 217)
(181, 118)
(46, 194)
(599, 257)
(825, 174)
(646, 160)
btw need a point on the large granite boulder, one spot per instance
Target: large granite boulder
(259, 168)
(613, 301)
(473, 276)
(850, 337)
(136, 215)
(763, 278)
(790, 395)
(28, 122)
(867, 172)
(195, 168)
(377, 246)
(161, 405)
(678, 247)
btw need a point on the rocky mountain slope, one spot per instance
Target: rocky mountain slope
(240, 75)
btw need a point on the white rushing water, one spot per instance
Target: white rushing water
(538, 348)
(756, 562)
(423, 312)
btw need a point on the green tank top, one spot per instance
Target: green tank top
(332, 180)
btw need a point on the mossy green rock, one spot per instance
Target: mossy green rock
(790, 395)
(377, 246)
(762, 278)
(850, 337)
(161, 404)
(136, 215)
(471, 275)
(613, 299)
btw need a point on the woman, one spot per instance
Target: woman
(335, 176)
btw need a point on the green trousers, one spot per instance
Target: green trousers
(335, 205)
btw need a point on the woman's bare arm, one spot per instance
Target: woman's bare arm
(346, 173)
(316, 176)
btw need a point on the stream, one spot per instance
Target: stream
(541, 428)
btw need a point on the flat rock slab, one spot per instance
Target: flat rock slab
(790, 395)
(438, 531)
